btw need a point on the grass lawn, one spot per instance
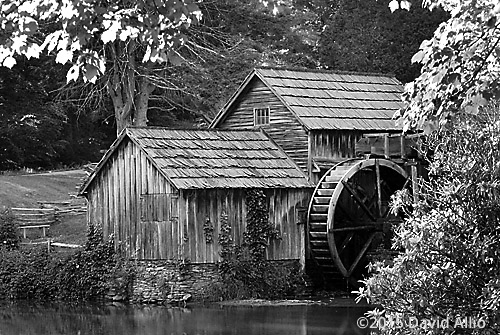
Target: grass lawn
(26, 190)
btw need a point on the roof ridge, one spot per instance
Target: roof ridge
(328, 71)
(195, 129)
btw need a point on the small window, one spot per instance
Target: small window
(261, 116)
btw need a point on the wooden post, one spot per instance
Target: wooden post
(379, 188)
(386, 146)
(402, 144)
(309, 156)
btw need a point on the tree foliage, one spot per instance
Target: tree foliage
(37, 129)
(85, 28)
(123, 39)
(460, 65)
(365, 36)
(449, 265)
(244, 270)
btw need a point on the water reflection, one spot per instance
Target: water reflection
(24, 318)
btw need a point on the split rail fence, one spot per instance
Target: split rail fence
(43, 218)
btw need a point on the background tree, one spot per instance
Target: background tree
(365, 36)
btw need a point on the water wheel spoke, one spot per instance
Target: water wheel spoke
(387, 213)
(379, 187)
(359, 201)
(346, 240)
(372, 203)
(361, 253)
(355, 228)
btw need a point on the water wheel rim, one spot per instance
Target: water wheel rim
(341, 186)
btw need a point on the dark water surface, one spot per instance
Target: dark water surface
(37, 319)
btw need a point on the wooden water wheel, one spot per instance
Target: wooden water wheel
(349, 213)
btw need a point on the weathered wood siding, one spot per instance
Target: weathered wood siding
(134, 202)
(205, 207)
(334, 145)
(283, 128)
(329, 147)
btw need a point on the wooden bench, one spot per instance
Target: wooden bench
(34, 218)
(44, 228)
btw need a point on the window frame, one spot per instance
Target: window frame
(266, 116)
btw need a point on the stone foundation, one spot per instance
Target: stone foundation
(170, 282)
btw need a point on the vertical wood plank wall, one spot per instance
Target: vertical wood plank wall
(284, 128)
(202, 205)
(115, 202)
(336, 145)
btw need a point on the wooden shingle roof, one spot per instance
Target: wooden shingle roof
(199, 159)
(332, 100)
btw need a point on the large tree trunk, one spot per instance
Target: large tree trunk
(128, 89)
(144, 89)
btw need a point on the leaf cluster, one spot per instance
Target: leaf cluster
(84, 28)
(244, 270)
(259, 231)
(449, 260)
(460, 65)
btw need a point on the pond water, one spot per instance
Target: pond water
(21, 318)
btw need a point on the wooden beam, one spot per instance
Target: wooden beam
(386, 146)
(376, 226)
(347, 239)
(402, 144)
(379, 188)
(359, 201)
(361, 254)
(309, 156)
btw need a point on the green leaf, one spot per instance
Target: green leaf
(405, 5)
(417, 58)
(394, 5)
(73, 73)
(492, 22)
(110, 34)
(91, 73)
(31, 27)
(64, 56)
(9, 62)
(32, 51)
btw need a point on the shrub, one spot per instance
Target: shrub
(244, 270)
(449, 264)
(9, 236)
(84, 275)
